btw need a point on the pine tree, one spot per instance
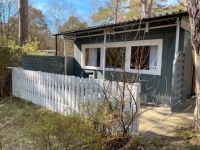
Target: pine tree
(23, 21)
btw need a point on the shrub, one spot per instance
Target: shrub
(10, 56)
(66, 132)
(136, 142)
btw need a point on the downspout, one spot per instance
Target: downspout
(65, 56)
(177, 35)
(104, 54)
(175, 59)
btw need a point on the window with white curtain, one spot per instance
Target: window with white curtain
(92, 57)
(143, 56)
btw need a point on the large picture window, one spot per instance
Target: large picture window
(115, 57)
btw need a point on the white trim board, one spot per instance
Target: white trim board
(128, 45)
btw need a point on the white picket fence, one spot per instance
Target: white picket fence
(62, 93)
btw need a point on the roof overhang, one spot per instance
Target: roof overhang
(108, 27)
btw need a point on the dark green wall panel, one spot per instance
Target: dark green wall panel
(52, 64)
(161, 85)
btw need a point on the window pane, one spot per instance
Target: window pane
(153, 57)
(144, 57)
(140, 57)
(92, 57)
(115, 57)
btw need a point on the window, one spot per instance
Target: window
(141, 56)
(115, 57)
(92, 57)
(144, 57)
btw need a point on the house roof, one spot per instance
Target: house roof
(143, 20)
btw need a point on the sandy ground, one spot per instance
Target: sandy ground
(162, 121)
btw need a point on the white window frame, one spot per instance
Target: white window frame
(157, 42)
(127, 45)
(115, 44)
(83, 47)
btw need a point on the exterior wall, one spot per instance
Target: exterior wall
(178, 78)
(183, 68)
(150, 83)
(51, 64)
(188, 71)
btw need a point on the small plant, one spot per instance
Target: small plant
(157, 142)
(185, 133)
(136, 142)
(66, 132)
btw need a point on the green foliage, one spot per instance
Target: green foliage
(156, 141)
(168, 9)
(73, 23)
(10, 56)
(187, 134)
(104, 15)
(129, 10)
(108, 115)
(29, 48)
(28, 126)
(136, 142)
(39, 30)
(9, 26)
(99, 115)
(66, 132)
(107, 14)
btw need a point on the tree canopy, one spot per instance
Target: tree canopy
(40, 28)
(132, 9)
(73, 23)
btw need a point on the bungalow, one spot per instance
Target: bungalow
(157, 49)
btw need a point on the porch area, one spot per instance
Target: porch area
(160, 121)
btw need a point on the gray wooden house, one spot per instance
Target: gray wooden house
(164, 42)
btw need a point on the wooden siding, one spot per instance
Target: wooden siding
(51, 64)
(162, 84)
(178, 78)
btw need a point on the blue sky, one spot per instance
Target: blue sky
(83, 9)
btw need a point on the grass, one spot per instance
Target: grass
(26, 126)
(17, 118)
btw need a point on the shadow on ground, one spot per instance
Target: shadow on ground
(162, 121)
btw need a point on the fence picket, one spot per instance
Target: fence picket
(64, 94)
(70, 94)
(82, 90)
(86, 90)
(73, 100)
(77, 93)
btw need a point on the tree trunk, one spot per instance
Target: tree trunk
(146, 8)
(197, 74)
(116, 11)
(23, 22)
(194, 17)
